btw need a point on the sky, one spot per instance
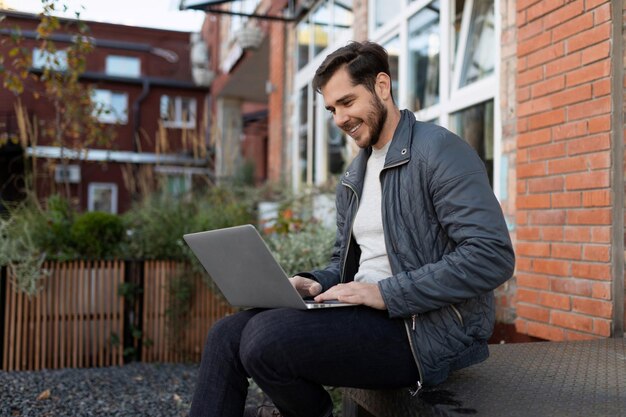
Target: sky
(161, 14)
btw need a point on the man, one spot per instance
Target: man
(421, 243)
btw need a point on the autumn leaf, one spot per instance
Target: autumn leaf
(44, 395)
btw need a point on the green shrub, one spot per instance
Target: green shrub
(98, 235)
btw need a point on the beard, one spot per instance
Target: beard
(376, 119)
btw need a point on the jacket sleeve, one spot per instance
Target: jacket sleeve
(479, 255)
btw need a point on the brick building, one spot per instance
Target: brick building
(154, 101)
(536, 87)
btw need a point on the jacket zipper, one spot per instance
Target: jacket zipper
(418, 385)
(458, 314)
(345, 259)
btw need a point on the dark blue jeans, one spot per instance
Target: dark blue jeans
(291, 354)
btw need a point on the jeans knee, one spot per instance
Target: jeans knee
(260, 350)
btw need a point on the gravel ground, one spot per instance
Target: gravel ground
(137, 389)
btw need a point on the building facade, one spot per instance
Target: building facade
(150, 87)
(537, 88)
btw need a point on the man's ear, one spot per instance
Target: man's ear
(383, 86)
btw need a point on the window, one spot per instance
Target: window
(123, 66)
(385, 11)
(320, 149)
(56, 61)
(178, 111)
(423, 65)
(110, 106)
(102, 197)
(329, 23)
(392, 47)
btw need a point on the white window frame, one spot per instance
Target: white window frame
(125, 60)
(93, 187)
(178, 122)
(112, 116)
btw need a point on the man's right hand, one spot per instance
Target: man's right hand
(306, 287)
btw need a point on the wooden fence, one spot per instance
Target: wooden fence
(77, 319)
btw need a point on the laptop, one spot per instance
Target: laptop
(244, 269)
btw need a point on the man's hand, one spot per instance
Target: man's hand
(306, 287)
(355, 293)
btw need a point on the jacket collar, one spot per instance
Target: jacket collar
(399, 152)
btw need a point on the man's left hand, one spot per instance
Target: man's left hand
(355, 293)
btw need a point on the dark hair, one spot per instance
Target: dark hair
(363, 60)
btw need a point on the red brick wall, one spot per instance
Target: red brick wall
(563, 202)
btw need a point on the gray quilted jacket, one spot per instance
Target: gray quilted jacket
(447, 241)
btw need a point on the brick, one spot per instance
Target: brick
(547, 217)
(602, 327)
(535, 43)
(534, 313)
(520, 186)
(598, 160)
(602, 14)
(546, 184)
(523, 93)
(588, 73)
(536, 169)
(530, 30)
(522, 125)
(597, 253)
(564, 166)
(546, 87)
(552, 233)
(599, 272)
(576, 336)
(577, 234)
(562, 65)
(545, 331)
(591, 36)
(601, 235)
(571, 95)
(572, 27)
(547, 54)
(524, 4)
(525, 295)
(530, 76)
(589, 217)
(599, 124)
(568, 199)
(599, 142)
(520, 19)
(566, 251)
(523, 264)
(571, 286)
(534, 249)
(589, 109)
(521, 217)
(571, 320)
(535, 137)
(551, 267)
(528, 233)
(565, 13)
(549, 118)
(570, 130)
(542, 8)
(601, 87)
(587, 180)
(601, 290)
(597, 198)
(540, 282)
(596, 308)
(555, 301)
(534, 106)
(596, 52)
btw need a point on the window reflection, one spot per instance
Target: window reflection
(336, 146)
(343, 19)
(424, 45)
(479, 59)
(303, 134)
(304, 40)
(475, 125)
(321, 28)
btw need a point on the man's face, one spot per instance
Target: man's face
(356, 110)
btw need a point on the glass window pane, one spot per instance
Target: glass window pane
(393, 50)
(56, 61)
(303, 156)
(336, 146)
(110, 106)
(321, 28)
(343, 18)
(303, 32)
(385, 10)
(102, 197)
(424, 44)
(125, 66)
(119, 107)
(188, 110)
(479, 57)
(475, 125)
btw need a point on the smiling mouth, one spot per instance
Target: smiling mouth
(354, 129)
